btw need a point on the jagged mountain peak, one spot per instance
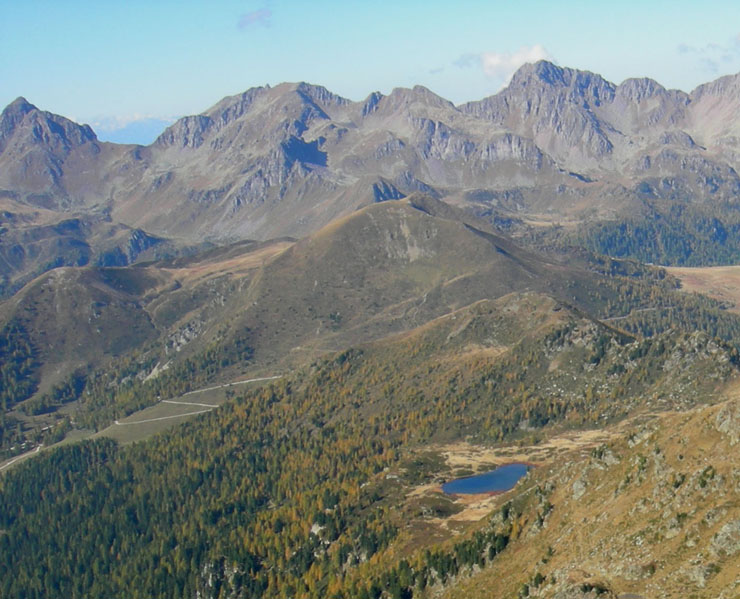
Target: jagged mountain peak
(542, 70)
(541, 84)
(545, 72)
(553, 106)
(371, 103)
(640, 88)
(715, 113)
(41, 127)
(724, 86)
(12, 116)
(19, 105)
(233, 107)
(402, 98)
(300, 102)
(642, 104)
(320, 95)
(285, 159)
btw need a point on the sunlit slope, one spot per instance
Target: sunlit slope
(263, 495)
(388, 268)
(653, 514)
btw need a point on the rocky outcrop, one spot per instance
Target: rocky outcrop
(726, 542)
(728, 422)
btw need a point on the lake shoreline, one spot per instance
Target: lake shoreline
(488, 484)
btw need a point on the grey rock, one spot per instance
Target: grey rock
(727, 541)
(727, 422)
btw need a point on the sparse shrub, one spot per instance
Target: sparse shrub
(706, 475)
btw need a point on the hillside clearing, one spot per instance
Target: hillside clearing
(719, 282)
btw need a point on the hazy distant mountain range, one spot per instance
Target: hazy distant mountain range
(552, 139)
(556, 144)
(136, 131)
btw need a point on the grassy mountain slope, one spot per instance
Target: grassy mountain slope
(160, 329)
(91, 332)
(652, 514)
(76, 317)
(283, 490)
(386, 268)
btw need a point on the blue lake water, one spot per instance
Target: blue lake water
(501, 479)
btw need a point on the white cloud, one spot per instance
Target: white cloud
(502, 65)
(710, 56)
(256, 17)
(468, 60)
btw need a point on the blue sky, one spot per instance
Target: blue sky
(115, 63)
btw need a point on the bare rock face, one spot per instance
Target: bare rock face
(644, 104)
(555, 107)
(188, 132)
(49, 161)
(728, 422)
(579, 488)
(727, 541)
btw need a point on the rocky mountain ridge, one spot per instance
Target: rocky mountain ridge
(557, 144)
(287, 159)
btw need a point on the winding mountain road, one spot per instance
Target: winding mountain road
(209, 407)
(195, 404)
(20, 457)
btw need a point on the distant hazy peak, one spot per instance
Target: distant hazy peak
(729, 85)
(639, 88)
(320, 95)
(401, 98)
(19, 106)
(52, 126)
(555, 76)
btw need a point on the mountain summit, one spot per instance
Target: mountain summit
(49, 161)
